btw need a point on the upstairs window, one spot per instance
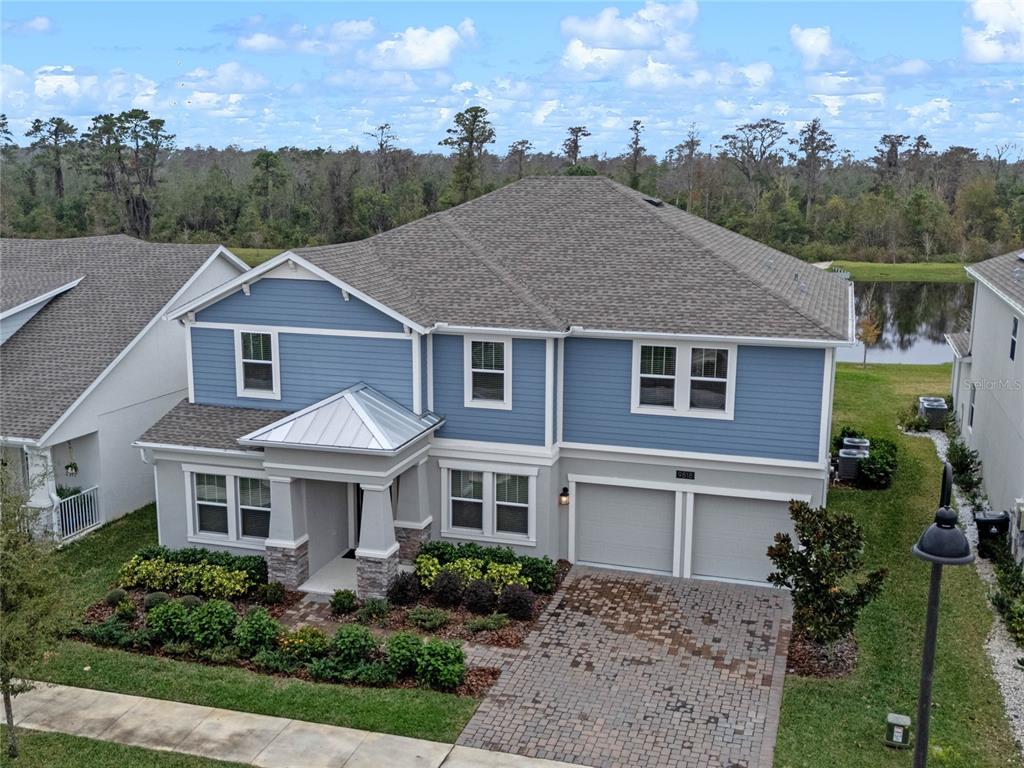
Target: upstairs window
(256, 364)
(709, 378)
(1014, 329)
(488, 379)
(658, 376)
(970, 407)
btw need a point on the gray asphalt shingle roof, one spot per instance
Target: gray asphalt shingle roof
(960, 343)
(1006, 272)
(547, 253)
(51, 360)
(209, 426)
(19, 288)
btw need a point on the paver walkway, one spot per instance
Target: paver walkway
(627, 669)
(241, 737)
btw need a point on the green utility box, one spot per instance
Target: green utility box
(897, 731)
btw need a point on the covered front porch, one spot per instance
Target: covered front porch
(349, 492)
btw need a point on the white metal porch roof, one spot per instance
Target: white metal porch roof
(357, 419)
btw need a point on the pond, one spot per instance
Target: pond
(913, 318)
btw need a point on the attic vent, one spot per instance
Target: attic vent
(654, 201)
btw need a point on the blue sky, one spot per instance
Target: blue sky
(321, 74)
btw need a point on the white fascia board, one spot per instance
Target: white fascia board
(765, 341)
(852, 329)
(39, 299)
(219, 253)
(524, 333)
(1014, 304)
(8, 440)
(257, 272)
(195, 449)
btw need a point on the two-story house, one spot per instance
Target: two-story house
(88, 363)
(988, 384)
(564, 366)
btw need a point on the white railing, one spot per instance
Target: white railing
(78, 514)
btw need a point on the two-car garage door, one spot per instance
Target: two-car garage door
(646, 529)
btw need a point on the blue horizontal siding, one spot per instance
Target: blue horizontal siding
(312, 368)
(298, 303)
(524, 424)
(777, 411)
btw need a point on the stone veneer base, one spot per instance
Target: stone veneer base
(409, 541)
(288, 566)
(373, 575)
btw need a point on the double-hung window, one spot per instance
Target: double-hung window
(488, 373)
(489, 502)
(970, 406)
(1014, 330)
(257, 369)
(227, 508)
(681, 379)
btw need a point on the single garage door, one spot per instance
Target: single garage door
(625, 527)
(731, 536)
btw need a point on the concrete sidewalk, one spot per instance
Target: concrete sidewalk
(241, 737)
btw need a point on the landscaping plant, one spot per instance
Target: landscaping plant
(212, 623)
(353, 644)
(403, 652)
(876, 470)
(447, 588)
(500, 575)
(487, 623)
(202, 578)
(256, 632)
(430, 619)
(965, 463)
(479, 596)
(404, 589)
(517, 602)
(343, 602)
(540, 573)
(114, 597)
(153, 599)
(169, 622)
(374, 610)
(304, 644)
(441, 664)
(272, 593)
(821, 570)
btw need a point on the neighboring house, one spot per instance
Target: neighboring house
(988, 384)
(564, 366)
(87, 364)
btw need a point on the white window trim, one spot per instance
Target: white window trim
(489, 533)
(261, 394)
(505, 404)
(682, 378)
(233, 538)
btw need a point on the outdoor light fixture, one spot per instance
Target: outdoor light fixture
(563, 497)
(941, 544)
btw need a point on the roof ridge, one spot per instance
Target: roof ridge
(725, 260)
(503, 274)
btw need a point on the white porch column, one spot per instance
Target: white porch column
(287, 549)
(413, 518)
(42, 486)
(377, 553)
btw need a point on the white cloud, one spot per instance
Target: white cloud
(832, 104)
(61, 86)
(34, 26)
(229, 77)
(654, 74)
(1000, 38)
(758, 74)
(464, 87)
(813, 43)
(421, 48)
(725, 107)
(910, 67)
(14, 86)
(645, 29)
(543, 111)
(932, 111)
(579, 57)
(331, 38)
(261, 42)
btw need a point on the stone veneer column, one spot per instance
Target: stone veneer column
(377, 553)
(287, 549)
(413, 520)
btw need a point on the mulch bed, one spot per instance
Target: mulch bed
(809, 659)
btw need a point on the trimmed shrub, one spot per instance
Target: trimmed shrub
(427, 570)
(272, 593)
(500, 575)
(378, 674)
(374, 610)
(877, 469)
(182, 648)
(353, 644)
(441, 665)
(169, 622)
(404, 589)
(110, 632)
(153, 599)
(429, 619)
(190, 601)
(224, 654)
(966, 465)
(442, 551)
(114, 597)
(329, 670)
(447, 589)
(845, 431)
(211, 624)
(517, 602)
(256, 632)
(479, 596)
(403, 652)
(253, 565)
(304, 644)
(275, 661)
(343, 602)
(911, 421)
(467, 569)
(159, 574)
(540, 573)
(487, 623)
(125, 610)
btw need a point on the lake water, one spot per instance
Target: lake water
(913, 317)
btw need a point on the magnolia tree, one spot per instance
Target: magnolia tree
(821, 569)
(29, 586)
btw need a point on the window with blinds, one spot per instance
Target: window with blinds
(257, 361)
(487, 364)
(467, 499)
(512, 504)
(709, 378)
(254, 507)
(657, 376)
(211, 501)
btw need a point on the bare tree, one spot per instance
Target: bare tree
(635, 152)
(571, 145)
(385, 141)
(517, 152)
(815, 149)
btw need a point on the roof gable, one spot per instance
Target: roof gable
(1004, 275)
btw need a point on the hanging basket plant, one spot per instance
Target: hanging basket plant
(71, 469)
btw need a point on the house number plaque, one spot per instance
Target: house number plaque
(684, 474)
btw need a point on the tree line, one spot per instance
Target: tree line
(801, 193)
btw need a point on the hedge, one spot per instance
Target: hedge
(198, 579)
(254, 565)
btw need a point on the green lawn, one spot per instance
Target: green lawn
(915, 272)
(94, 562)
(52, 750)
(841, 723)
(255, 256)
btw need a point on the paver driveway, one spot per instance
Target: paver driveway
(627, 669)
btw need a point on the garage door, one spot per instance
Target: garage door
(625, 527)
(731, 536)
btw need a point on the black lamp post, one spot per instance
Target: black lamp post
(941, 544)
